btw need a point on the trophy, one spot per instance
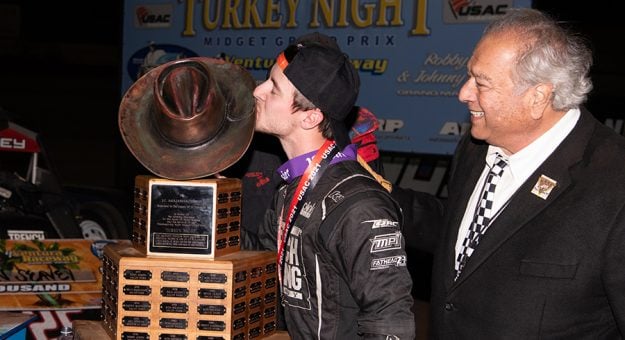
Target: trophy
(185, 275)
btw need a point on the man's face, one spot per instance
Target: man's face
(500, 115)
(274, 104)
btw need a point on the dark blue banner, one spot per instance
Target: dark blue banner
(411, 55)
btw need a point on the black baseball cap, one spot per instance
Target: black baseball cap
(325, 75)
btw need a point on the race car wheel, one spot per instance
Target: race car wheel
(91, 230)
(101, 220)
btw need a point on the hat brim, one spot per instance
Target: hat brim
(172, 161)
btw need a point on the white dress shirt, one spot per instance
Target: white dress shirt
(520, 166)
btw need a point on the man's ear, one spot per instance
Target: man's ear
(541, 97)
(312, 118)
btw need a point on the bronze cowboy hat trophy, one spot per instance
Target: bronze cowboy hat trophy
(189, 118)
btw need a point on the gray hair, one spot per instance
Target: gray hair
(550, 55)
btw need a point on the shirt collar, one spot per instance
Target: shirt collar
(296, 166)
(526, 160)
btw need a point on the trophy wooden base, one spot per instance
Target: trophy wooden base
(145, 297)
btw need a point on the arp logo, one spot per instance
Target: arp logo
(455, 128)
(390, 125)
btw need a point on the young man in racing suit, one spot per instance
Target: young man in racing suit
(336, 230)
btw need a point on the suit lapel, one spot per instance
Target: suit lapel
(524, 205)
(468, 171)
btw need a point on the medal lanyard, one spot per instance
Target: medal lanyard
(314, 170)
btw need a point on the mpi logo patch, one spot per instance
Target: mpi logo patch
(386, 242)
(471, 11)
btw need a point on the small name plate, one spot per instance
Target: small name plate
(136, 306)
(211, 325)
(211, 309)
(137, 274)
(173, 323)
(175, 276)
(212, 278)
(135, 336)
(178, 292)
(172, 337)
(135, 321)
(174, 307)
(137, 290)
(208, 293)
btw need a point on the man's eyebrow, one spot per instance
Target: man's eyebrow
(481, 76)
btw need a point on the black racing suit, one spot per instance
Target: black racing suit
(345, 277)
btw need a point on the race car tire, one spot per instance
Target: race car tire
(101, 220)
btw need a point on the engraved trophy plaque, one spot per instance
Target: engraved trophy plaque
(191, 218)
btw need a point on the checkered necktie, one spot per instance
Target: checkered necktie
(483, 214)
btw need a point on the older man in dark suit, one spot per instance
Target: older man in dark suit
(533, 239)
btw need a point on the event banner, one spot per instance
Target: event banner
(54, 274)
(411, 55)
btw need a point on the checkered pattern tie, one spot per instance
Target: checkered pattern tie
(483, 214)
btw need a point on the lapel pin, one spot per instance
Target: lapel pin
(543, 187)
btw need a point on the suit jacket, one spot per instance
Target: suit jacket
(546, 268)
